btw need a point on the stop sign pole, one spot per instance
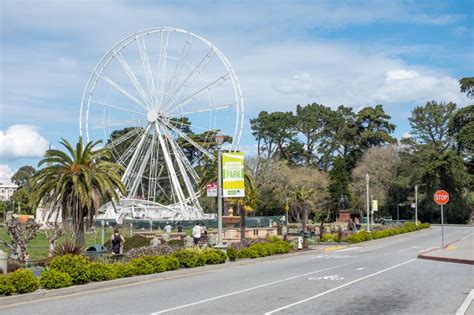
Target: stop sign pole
(441, 197)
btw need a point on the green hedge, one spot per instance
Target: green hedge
(54, 279)
(274, 246)
(77, 267)
(101, 272)
(23, 280)
(363, 236)
(6, 287)
(189, 258)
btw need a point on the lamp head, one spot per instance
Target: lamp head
(219, 139)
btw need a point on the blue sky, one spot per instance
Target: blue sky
(357, 53)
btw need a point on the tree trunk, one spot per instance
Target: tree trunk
(80, 232)
(242, 222)
(305, 221)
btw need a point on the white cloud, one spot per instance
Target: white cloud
(22, 141)
(407, 135)
(5, 173)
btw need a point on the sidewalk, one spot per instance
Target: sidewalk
(460, 251)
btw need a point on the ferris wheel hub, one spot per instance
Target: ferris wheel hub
(152, 116)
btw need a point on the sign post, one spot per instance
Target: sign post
(441, 197)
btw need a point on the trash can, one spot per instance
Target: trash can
(96, 251)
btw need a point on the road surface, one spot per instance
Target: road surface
(377, 277)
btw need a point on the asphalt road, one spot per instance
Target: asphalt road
(377, 277)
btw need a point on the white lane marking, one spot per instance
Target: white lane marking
(331, 277)
(361, 268)
(467, 302)
(248, 289)
(333, 256)
(339, 287)
(374, 248)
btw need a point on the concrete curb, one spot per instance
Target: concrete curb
(41, 294)
(447, 259)
(422, 255)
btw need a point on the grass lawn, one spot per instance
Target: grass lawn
(38, 247)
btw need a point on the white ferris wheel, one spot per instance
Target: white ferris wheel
(157, 100)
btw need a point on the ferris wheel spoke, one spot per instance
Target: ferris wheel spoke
(162, 67)
(201, 92)
(152, 172)
(122, 90)
(119, 108)
(123, 138)
(133, 78)
(178, 68)
(147, 67)
(201, 110)
(191, 141)
(117, 124)
(126, 174)
(191, 77)
(178, 192)
(139, 174)
(181, 166)
(193, 126)
(128, 153)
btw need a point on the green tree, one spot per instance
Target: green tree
(339, 182)
(22, 176)
(461, 128)
(76, 180)
(467, 86)
(375, 127)
(430, 124)
(21, 199)
(437, 165)
(274, 132)
(301, 195)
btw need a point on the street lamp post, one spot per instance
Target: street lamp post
(416, 204)
(367, 178)
(219, 141)
(398, 212)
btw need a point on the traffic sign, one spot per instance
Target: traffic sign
(441, 197)
(212, 190)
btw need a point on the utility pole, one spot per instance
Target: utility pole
(219, 140)
(416, 205)
(367, 178)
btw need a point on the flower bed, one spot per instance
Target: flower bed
(67, 270)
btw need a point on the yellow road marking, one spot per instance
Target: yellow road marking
(329, 249)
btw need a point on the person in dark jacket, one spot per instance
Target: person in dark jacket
(117, 241)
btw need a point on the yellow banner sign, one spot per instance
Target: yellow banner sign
(233, 174)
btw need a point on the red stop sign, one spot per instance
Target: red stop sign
(441, 197)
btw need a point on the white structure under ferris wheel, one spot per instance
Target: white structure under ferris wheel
(145, 98)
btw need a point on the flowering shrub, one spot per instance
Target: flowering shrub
(153, 250)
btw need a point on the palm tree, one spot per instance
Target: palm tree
(75, 181)
(301, 196)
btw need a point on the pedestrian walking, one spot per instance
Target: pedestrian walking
(117, 241)
(167, 228)
(197, 231)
